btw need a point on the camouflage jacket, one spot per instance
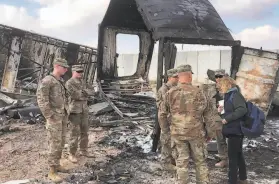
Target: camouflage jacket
(211, 116)
(164, 123)
(186, 104)
(78, 95)
(161, 93)
(52, 97)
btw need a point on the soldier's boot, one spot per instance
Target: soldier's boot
(85, 153)
(222, 164)
(53, 175)
(73, 158)
(62, 169)
(182, 176)
(172, 161)
(169, 167)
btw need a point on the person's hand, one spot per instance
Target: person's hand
(208, 139)
(224, 121)
(220, 108)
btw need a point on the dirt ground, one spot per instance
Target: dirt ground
(119, 159)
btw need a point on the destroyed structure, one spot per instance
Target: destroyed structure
(183, 22)
(26, 57)
(126, 103)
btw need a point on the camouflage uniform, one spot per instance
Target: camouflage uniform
(52, 101)
(166, 151)
(221, 140)
(186, 104)
(78, 112)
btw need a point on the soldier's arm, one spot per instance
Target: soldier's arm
(209, 120)
(43, 98)
(76, 94)
(201, 100)
(158, 98)
(164, 110)
(89, 90)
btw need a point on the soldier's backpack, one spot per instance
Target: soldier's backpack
(253, 122)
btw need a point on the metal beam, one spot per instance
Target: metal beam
(12, 65)
(204, 41)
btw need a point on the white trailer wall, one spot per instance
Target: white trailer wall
(199, 60)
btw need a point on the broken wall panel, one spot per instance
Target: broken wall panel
(257, 76)
(30, 61)
(12, 64)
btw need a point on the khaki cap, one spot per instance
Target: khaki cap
(77, 68)
(220, 72)
(61, 62)
(172, 72)
(184, 68)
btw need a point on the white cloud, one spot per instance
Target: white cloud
(264, 36)
(77, 21)
(72, 20)
(17, 17)
(244, 8)
(69, 13)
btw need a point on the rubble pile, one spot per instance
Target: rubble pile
(136, 126)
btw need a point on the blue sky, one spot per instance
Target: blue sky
(255, 23)
(31, 7)
(236, 24)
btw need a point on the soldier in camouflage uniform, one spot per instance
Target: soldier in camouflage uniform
(166, 151)
(52, 101)
(186, 104)
(78, 113)
(221, 140)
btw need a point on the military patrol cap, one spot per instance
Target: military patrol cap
(184, 68)
(77, 68)
(61, 62)
(172, 72)
(221, 72)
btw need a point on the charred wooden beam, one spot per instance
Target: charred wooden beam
(109, 101)
(157, 129)
(12, 63)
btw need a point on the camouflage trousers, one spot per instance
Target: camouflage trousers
(221, 145)
(78, 129)
(166, 150)
(56, 133)
(196, 149)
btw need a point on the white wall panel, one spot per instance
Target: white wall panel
(199, 60)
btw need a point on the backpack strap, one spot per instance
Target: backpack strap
(231, 97)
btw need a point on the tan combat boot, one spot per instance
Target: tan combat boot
(62, 169)
(222, 164)
(72, 158)
(169, 167)
(53, 176)
(86, 154)
(83, 153)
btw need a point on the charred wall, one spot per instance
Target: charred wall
(27, 57)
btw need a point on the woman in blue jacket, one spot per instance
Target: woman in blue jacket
(232, 112)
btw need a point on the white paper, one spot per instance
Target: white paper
(221, 103)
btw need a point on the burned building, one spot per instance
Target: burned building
(181, 22)
(26, 57)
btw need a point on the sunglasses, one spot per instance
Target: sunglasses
(79, 71)
(218, 76)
